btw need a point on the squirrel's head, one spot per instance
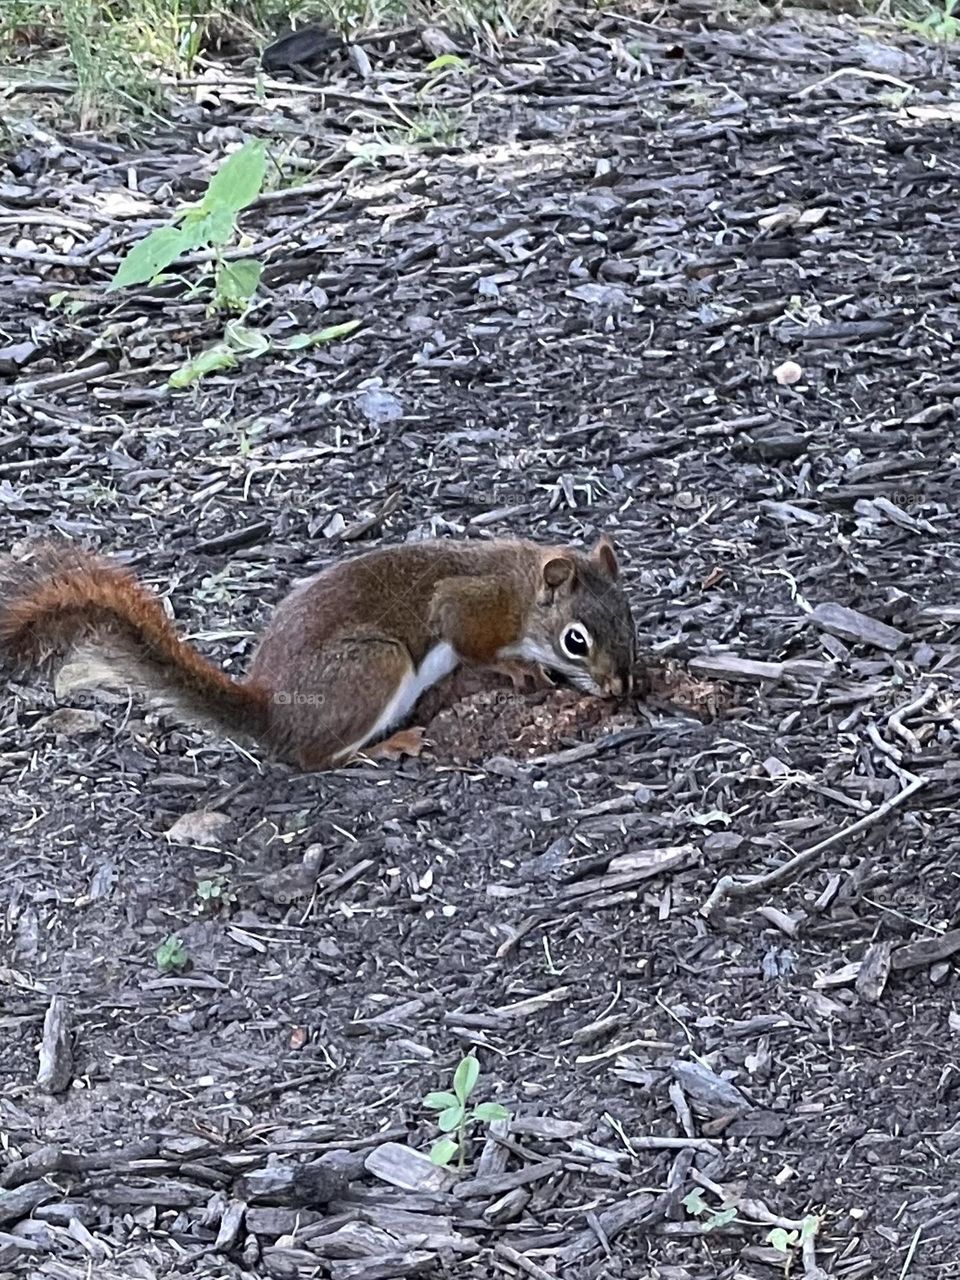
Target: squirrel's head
(581, 624)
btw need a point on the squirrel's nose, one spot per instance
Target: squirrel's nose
(616, 686)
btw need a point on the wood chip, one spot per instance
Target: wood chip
(402, 1167)
(856, 627)
(56, 1048)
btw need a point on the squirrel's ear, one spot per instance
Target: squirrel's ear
(558, 573)
(606, 558)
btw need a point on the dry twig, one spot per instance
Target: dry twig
(730, 887)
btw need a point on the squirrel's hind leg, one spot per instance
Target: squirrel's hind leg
(357, 690)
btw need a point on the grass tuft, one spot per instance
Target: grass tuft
(115, 51)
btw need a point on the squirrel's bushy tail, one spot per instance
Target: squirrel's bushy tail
(62, 602)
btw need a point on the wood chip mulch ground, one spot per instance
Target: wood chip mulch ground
(692, 283)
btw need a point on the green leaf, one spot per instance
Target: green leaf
(694, 1203)
(171, 955)
(297, 343)
(446, 60)
(236, 282)
(203, 227)
(440, 1101)
(450, 1119)
(247, 342)
(465, 1077)
(780, 1239)
(209, 361)
(719, 1219)
(443, 1151)
(488, 1112)
(335, 331)
(239, 179)
(810, 1227)
(302, 340)
(147, 259)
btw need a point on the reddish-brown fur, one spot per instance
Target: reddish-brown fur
(337, 648)
(478, 616)
(53, 603)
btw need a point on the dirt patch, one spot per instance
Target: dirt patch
(573, 314)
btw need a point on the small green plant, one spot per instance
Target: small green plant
(455, 1116)
(448, 62)
(171, 955)
(211, 224)
(710, 1219)
(215, 892)
(114, 53)
(441, 68)
(99, 495)
(242, 343)
(787, 1241)
(939, 22)
(233, 283)
(434, 127)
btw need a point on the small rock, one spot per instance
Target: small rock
(15, 357)
(924, 655)
(314, 857)
(886, 58)
(72, 722)
(288, 884)
(874, 971)
(601, 295)
(504, 767)
(939, 973)
(201, 828)
(710, 1091)
(788, 374)
(230, 1224)
(760, 1124)
(379, 406)
(436, 41)
(724, 842)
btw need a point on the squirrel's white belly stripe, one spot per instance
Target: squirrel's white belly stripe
(528, 650)
(439, 662)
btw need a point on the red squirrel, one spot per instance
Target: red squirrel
(347, 653)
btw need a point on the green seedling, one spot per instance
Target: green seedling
(211, 224)
(433, 128)
(448, 62)
(787, 1241)
(455, 1116)
(242, 343)
(710, 1220)
(440, 68)
(171, 955)
(214, 892)
(941, 22)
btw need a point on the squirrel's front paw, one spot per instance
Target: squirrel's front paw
(526, 677)
(405, 742)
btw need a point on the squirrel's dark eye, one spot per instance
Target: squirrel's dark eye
(575, 642)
